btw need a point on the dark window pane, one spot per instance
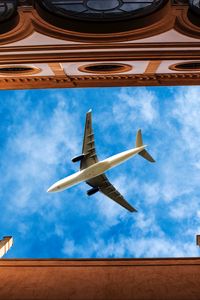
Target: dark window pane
(102, 67)
(7, 9)
(100, 10)
(187, 66)
(71, 7)
(134, 6)
(102, 5)
(14, 69)
(105, 68)
(195, 5)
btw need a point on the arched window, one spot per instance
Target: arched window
(99, 11)
(8, 12)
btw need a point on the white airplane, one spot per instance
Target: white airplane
(92, 170)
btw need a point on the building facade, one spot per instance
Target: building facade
(48, 43)
(127, 279)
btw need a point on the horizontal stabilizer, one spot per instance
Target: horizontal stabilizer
(139, 143)
(146, 155)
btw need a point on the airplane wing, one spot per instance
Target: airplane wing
(88, 148)
(109, 190)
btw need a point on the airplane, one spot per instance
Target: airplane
(92, 170)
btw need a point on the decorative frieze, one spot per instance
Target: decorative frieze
(33, 82)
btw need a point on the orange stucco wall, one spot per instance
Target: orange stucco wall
(100, 279)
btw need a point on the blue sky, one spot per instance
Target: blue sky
(41, 130)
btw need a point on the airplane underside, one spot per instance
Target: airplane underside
(92, 171)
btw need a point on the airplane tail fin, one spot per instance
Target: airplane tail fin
(139, 143)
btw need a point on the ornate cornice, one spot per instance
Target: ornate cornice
(35, 82)
(101, 56)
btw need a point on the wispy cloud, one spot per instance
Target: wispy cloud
(136, 104)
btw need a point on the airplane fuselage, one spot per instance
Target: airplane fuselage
(94, 170)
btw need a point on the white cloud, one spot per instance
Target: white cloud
(152, 192)
(132, 247)
(59, 230)
(112, 212)
(135, 106)
(185, 209)
(23, 228)
(147, 224)
(69, 248)
(161, 247)
(36, 150)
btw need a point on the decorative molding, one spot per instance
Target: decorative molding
(163, 20)
(102, 46)
(158, 22)
(30, 21)
(152, 67)
(23, 29)
(169, 79)
(100, 22)
(98, 262)
(184, 25)
(167, 18)
(101, 56)
(57, 69)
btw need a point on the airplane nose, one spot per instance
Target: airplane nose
(51, 189)
(54, 188)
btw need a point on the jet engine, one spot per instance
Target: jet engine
(77, 158)
(92, 191)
